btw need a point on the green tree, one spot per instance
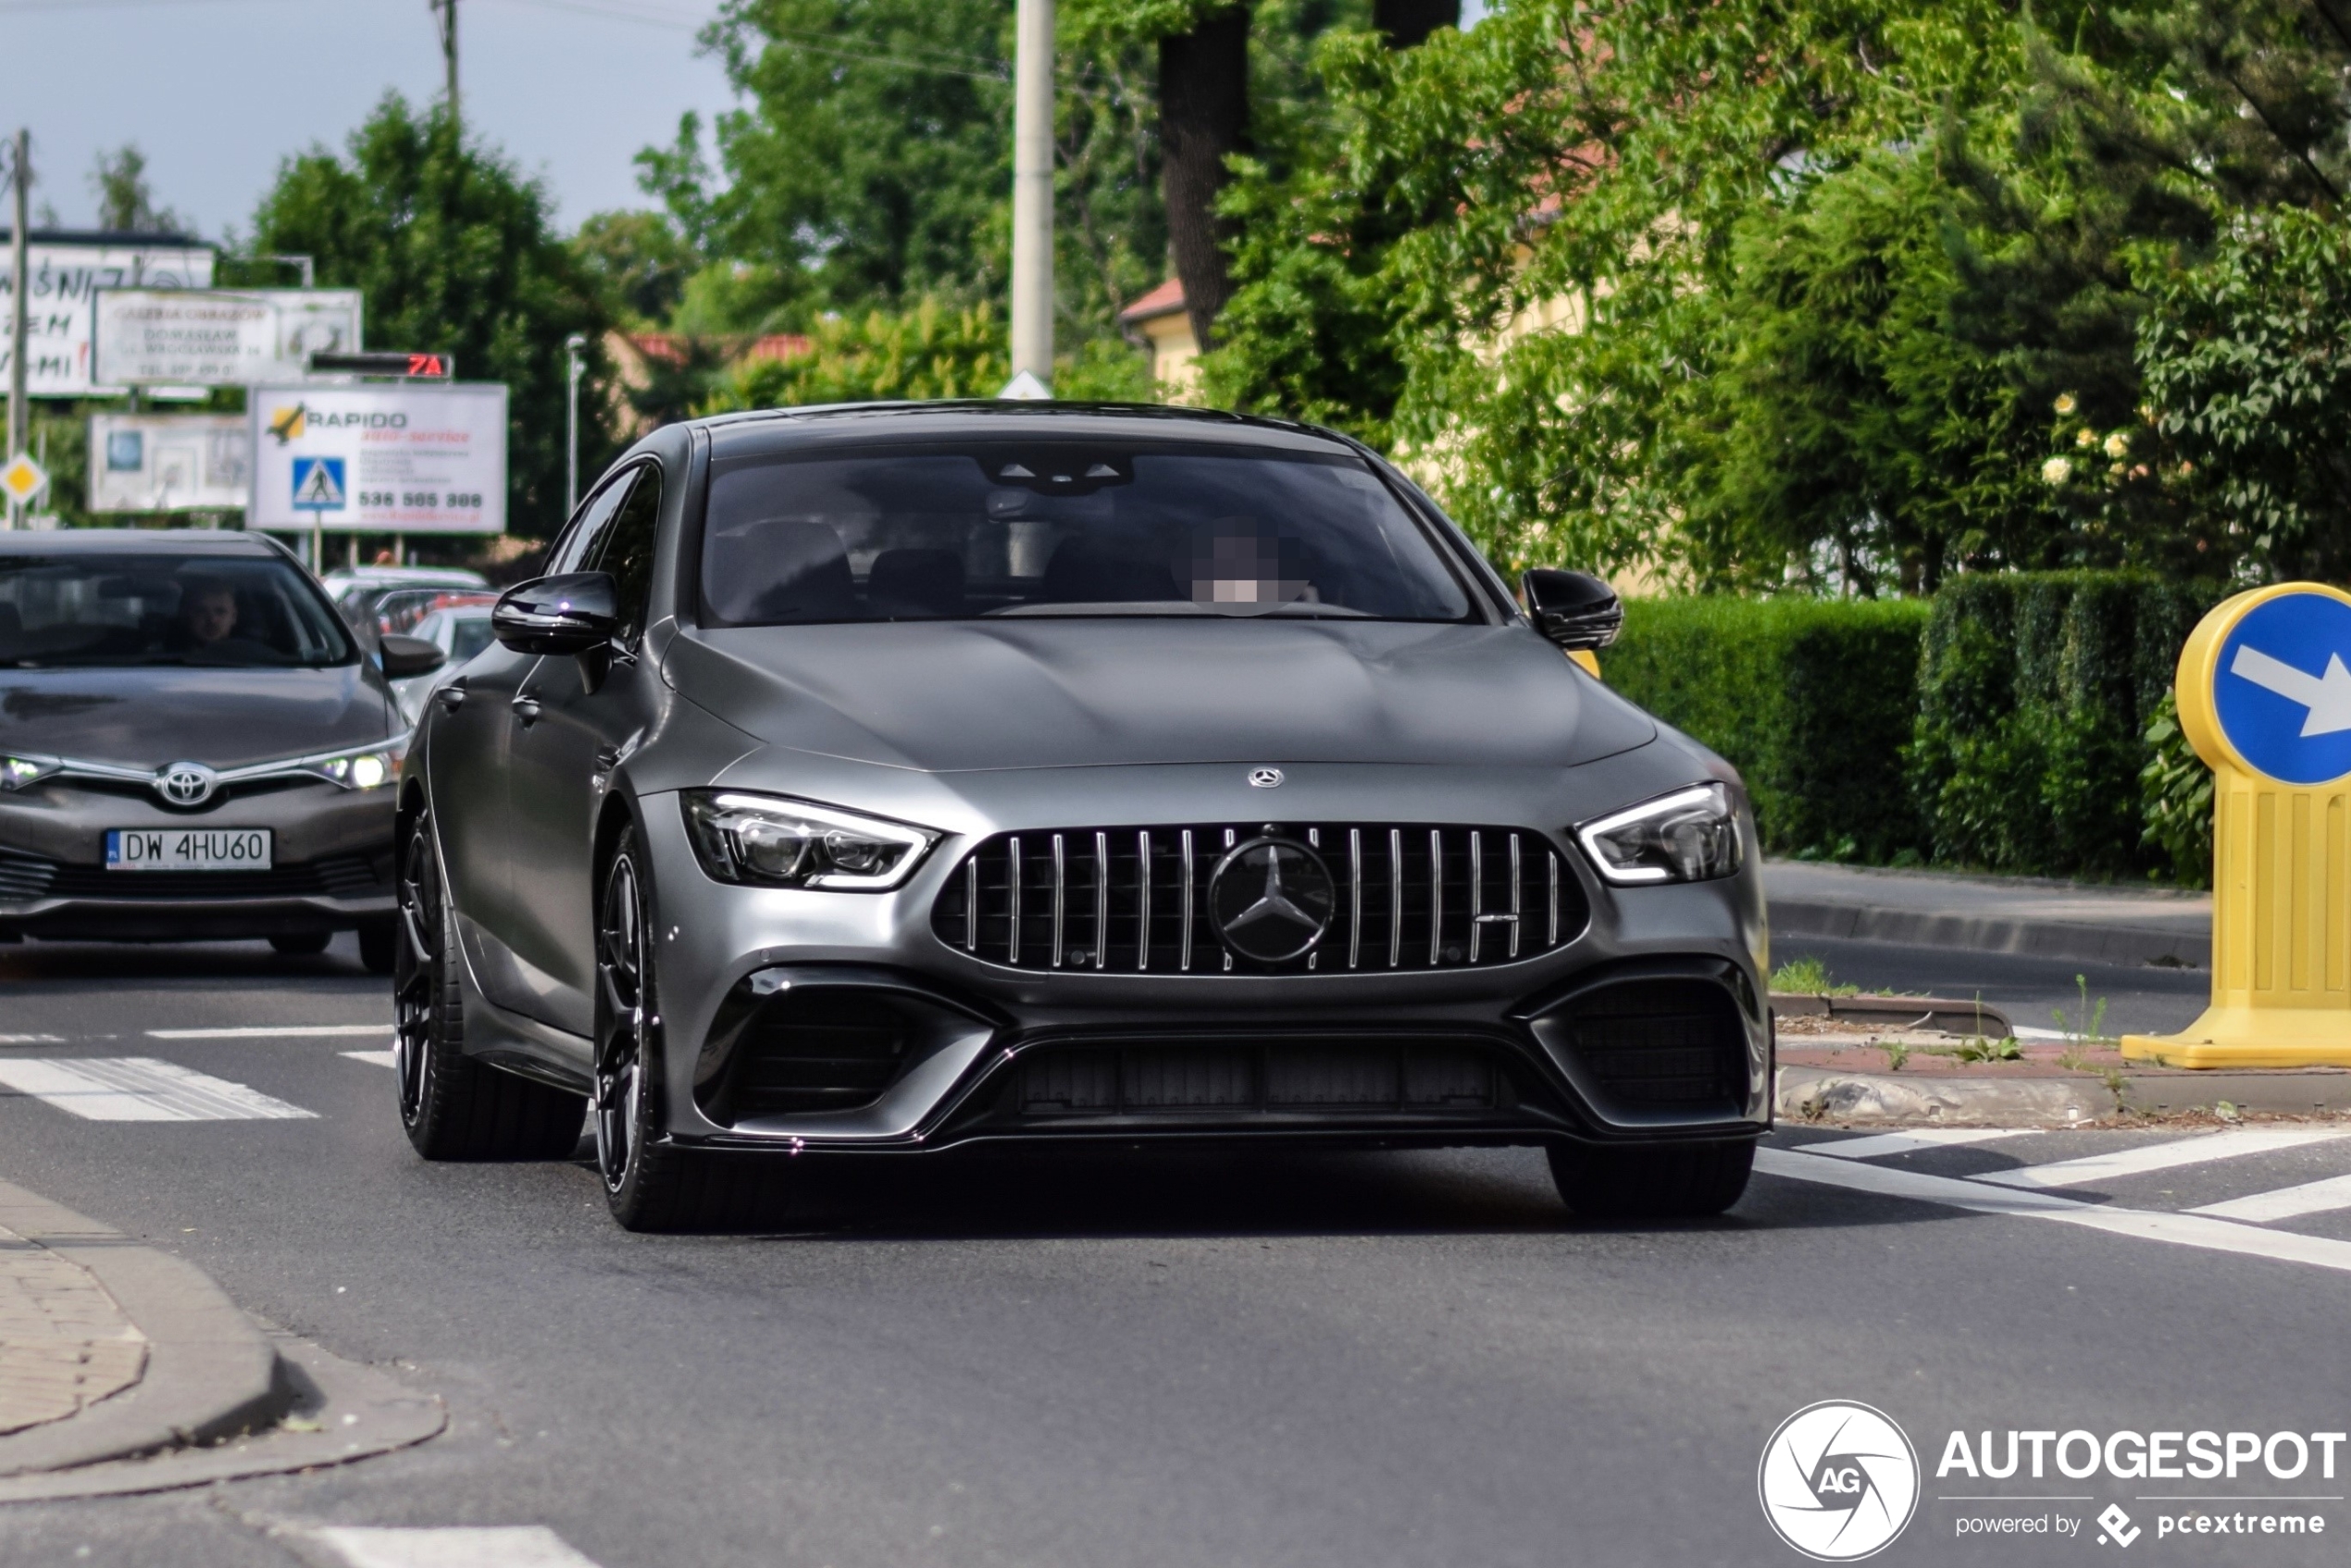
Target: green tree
(125, 199)
(452, 247)
(933, 350)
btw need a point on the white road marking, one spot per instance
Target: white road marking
(2181, 1230)
(2150, 1157)
(2022, 1032)
(522, 1546)
(139, 1089)
(33, 1039)
(273, 1031)
(380, 1058)
(2285, 1203)
(1909, 1142)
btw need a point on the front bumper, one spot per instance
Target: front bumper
(332, 855)
(809, 1020)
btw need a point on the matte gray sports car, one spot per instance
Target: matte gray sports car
(896, 777)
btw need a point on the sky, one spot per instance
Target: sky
(216, 92)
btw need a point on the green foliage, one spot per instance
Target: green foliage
(125, 199)
(932, 351)
(2175, 797)
(1808, 976)
(2248, 362)
(637, 264)
(452, 247)
(2034, 693)
(1811, 699)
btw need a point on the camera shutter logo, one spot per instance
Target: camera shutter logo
(186, 783)
(1840, 1481)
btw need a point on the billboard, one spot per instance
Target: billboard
(169, 462)
(67, 274)
(395, 458)
(218, 338)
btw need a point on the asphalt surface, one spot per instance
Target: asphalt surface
(2142, 999)
(1145, 1359)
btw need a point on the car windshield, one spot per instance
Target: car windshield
(68, 609)
(1068, 530)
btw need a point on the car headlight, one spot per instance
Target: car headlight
(771, 841)
(369, 769)
(18, 772)
(1689, 836)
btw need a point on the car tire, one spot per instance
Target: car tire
(651, 1184)
(1673, 1181)
(452, 1107)
(379, 947)
(302, 944)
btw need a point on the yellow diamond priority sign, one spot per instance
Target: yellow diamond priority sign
(22, 479)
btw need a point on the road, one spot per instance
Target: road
(1109, 1360)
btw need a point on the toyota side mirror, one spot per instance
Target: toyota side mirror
(1575, 610)
(571, 614)
(405, 657)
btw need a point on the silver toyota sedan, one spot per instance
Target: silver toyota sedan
(899, 778)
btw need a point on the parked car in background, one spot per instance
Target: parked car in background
(875, 780)
(366, 595)
(192, 745)
(459, 631)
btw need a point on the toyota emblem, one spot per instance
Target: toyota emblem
(1265, 778)
(186, 783)
(1272, 898)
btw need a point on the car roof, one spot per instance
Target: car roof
(139, 541)
(992, 419)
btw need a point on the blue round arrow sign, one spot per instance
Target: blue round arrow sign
(2282, 689)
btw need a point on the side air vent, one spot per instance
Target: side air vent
(1661, 1043)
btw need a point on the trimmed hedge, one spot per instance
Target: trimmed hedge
(2036, 693)
(1812, 700)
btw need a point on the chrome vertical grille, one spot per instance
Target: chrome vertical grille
(1136, 899)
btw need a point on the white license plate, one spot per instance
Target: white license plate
(188, 848)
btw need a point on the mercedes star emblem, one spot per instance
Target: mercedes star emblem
(186, 783)
(1272, 898)
(1265, 778)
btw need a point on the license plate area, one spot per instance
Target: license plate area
(190, 849)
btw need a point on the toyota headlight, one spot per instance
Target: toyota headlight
(770, 841)
(369, 769)
(18, 772)
(1689, 836)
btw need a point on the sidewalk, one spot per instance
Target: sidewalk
(64, 1343)
(2020, 914)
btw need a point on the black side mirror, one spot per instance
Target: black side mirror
(405, 657)
(1574, 609)
(570, 613)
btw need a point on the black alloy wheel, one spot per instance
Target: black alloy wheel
(451, 1106)
(650, 1184)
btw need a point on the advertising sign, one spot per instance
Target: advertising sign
(402, 458)
(218, 337)
(171, 462)
(66, 276)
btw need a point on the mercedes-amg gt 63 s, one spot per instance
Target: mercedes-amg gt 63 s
(192, 745)
(891, 779)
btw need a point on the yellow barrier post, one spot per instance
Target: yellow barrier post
(2265, 699)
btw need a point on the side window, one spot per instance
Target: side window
(585, 538)
(628, 550)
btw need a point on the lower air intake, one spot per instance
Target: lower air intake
(1661, 1043)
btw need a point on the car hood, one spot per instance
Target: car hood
(221, 718)
(947, 696)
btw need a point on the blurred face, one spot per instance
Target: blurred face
(210, 615)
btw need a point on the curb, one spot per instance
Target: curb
(2070, 940)
(210, 1373)
(1817, 1094)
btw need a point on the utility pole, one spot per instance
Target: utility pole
(444, 13)
(20, 291)
(573, 366)
(1033, 199)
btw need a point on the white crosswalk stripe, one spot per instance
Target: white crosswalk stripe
(2150, 1157)
(2285, 1203)
(139, 1089)
(377, 1058)
(1911, 1143)
(526, 1546)
(272, 1031)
